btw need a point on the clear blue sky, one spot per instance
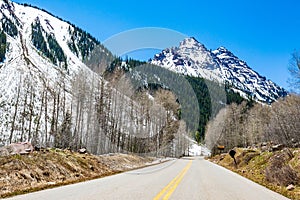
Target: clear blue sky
(263, 33)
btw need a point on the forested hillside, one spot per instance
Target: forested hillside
(209, 96)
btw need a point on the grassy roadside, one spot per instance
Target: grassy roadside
(274, 170)
(55, 167)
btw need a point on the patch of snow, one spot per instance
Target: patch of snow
(195, 150)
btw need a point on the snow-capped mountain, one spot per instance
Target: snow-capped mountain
(194, 59)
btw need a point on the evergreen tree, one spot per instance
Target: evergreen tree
(2, 46)
(9, 27)
(53, 51)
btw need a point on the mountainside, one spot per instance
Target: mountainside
(194, 59)
(42, 54)
(51, 96)
(41, 58)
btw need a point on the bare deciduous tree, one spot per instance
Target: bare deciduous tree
(241, 126)
(294, 68)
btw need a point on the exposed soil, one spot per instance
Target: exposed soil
(54, 167)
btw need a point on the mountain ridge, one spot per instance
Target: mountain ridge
(221, 65)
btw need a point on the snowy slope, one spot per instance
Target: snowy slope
(194, 59)
(190, 58)
(23, 58)
(50, 96)
(27, 72)
(237, 73)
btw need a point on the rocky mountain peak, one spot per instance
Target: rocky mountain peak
(221, 65)
(191, 44)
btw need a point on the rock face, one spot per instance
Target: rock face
(16, 148)
(290, 187)
(82, 151)
(277, 147)
(194, 59)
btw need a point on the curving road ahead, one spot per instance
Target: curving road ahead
(193, 178)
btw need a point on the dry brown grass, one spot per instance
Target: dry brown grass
(280, 172)
(52, 168)
(274, 170)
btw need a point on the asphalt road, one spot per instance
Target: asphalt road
(182, 179)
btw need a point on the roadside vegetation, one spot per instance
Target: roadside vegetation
(276, 170)
(49, 168)
(244, 125)
(265, 138)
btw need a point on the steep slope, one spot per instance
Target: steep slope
(238, 74)
(51, 96)
(37, 59)
(192, 58)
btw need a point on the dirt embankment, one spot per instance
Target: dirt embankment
(54, 167)
(278, 171)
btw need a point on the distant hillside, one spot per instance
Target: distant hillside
(196, 111)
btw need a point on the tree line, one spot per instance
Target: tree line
(243, 125)
(90, 113)
(209, 96)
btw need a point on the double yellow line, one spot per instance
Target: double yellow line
(170, 188)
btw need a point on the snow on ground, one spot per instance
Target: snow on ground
(195, 150)
(198, 150)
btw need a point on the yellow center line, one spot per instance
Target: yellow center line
(170, 188)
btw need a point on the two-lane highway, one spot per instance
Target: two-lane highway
(193, 178)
